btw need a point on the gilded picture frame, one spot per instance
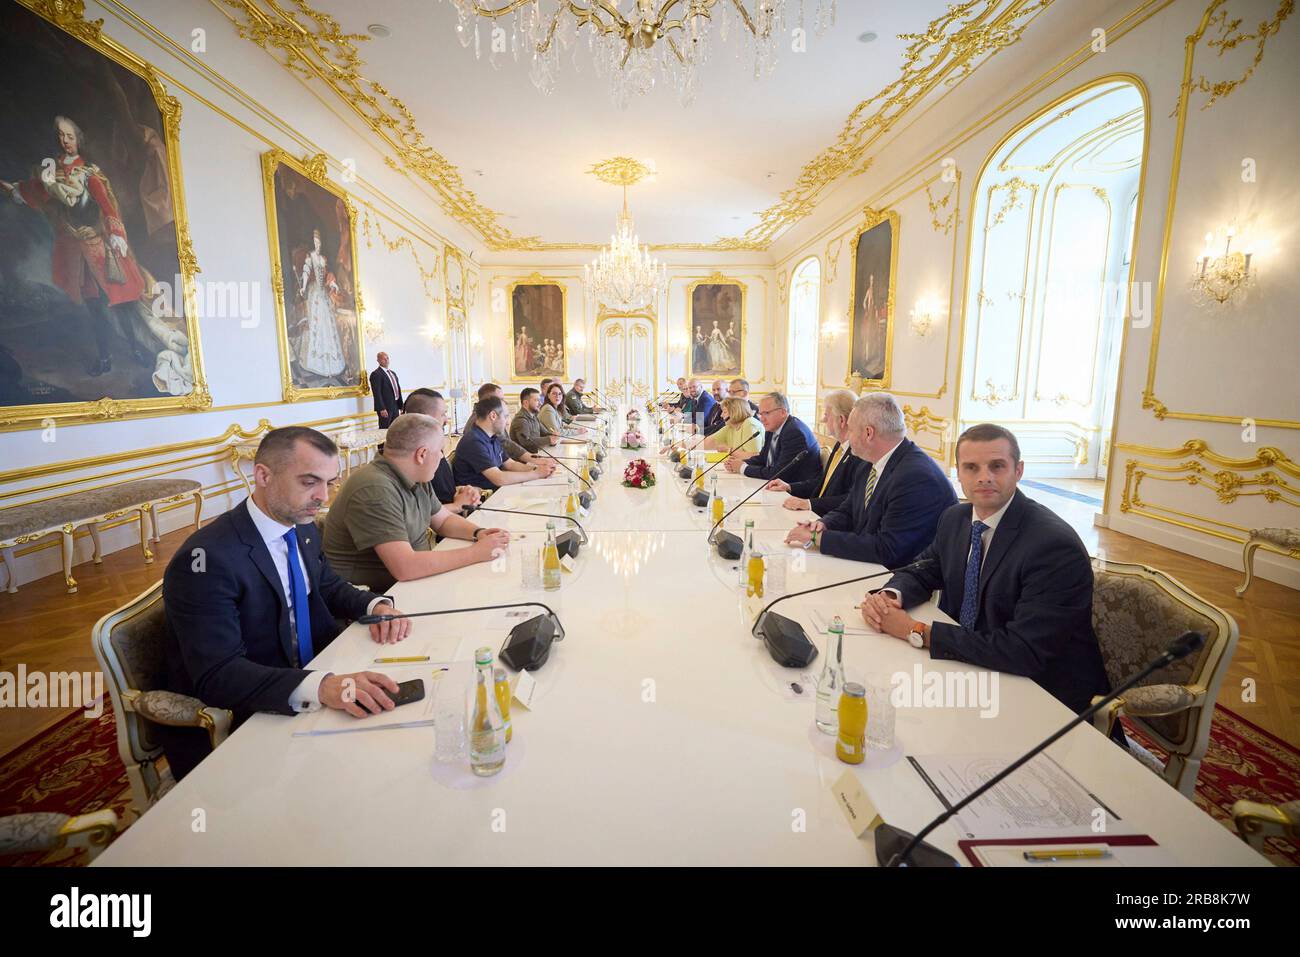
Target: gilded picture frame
(330, 297)
(453, 276)
(541, 316)
(68, 16)
(871, 338)
(714, 348)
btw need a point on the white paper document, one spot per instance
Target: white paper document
(1040, 799)
(853, 623)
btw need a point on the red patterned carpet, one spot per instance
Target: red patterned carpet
(73, 767)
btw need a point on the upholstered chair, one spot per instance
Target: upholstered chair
(1136, 612)
(131, 645)
(1256, 823)
(50, 831)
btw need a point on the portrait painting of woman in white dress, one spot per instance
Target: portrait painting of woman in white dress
(320, 324)
(716, 312)
(317, 346)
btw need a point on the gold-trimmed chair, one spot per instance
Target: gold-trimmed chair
(1136, 612)
(131, 646)
(1256, 823)
(51, 831)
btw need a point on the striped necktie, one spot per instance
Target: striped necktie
(871, 487)
(830, 468)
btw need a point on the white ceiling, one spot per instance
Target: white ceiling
(720, 161)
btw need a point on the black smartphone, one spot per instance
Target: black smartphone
(407, 692)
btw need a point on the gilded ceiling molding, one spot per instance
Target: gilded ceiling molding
(954, 42)
(314, 46)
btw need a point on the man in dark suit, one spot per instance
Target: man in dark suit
(1014, 575)
(386, 391)
(715, 420)
(785, 438)
(891, 513)
(827, 490)
(702, 406)
(250, 600)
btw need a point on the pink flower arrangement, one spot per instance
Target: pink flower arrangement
(638, 474)
(632, 439)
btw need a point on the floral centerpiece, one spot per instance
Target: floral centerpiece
(638, 474)
(632, 439)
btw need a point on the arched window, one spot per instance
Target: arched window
(801, 349)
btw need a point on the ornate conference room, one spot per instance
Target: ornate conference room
(649, 432)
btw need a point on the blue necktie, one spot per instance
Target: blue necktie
(970, 596)
(298, 592)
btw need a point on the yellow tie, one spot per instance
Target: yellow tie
(830, 468)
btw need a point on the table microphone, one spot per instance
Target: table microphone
(696, 500)
(786, 640)
(529, 643)
(566, 547)
(895, 847)
(585, 497)
(730, 546)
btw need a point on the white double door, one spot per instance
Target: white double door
(625, 358)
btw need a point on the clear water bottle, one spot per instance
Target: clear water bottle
(487, 729)
(747, 545)
(831, 682)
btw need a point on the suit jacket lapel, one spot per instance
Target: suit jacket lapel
(261, 557)
(1008, 531)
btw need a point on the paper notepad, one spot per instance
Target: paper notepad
(852, 626)
(418, 714)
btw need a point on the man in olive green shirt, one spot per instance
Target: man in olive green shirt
(526, 427)
(377, 530)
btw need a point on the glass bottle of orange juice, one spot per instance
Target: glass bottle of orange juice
(716, 504)
(697, 480)
(571, 503)
(754, 582)
(502, 689)
(851, 745)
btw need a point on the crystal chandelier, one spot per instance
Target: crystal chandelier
(624, 275)
(645, 42)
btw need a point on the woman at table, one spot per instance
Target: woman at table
(552, 416)
(741, 426)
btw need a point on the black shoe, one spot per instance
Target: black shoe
(100, 367)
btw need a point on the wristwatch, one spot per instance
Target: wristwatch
(916, 637)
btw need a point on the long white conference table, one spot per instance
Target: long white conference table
(661, 732)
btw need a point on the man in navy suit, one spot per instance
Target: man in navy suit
(833, 485)
(891, 513)
(785, 438)
(386, 391)
(250, 599)
(1014, 575)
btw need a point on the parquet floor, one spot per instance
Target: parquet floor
(49, 630)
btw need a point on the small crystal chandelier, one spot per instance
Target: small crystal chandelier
(637, 48)
(624, 275)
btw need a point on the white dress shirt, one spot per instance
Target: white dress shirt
(305, 697)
